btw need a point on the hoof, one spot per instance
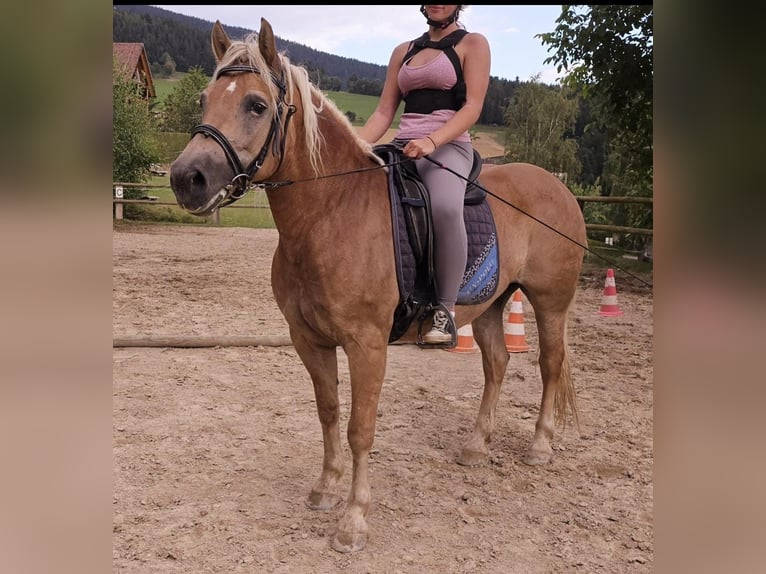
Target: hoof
(346, 542)
(537, 457)
(472, 458)
(322, 500)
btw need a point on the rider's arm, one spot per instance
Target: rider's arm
(383, 116)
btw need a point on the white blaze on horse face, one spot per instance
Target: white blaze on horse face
(232, 86)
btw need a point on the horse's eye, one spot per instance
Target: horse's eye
(254, 104)
(257, 107)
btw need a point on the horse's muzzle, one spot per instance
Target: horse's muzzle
(193, 189)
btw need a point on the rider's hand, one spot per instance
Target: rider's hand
(419, 147)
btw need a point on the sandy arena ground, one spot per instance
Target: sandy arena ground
(215, 449)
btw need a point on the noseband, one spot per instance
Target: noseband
(239, 184)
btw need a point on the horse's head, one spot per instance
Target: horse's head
(244, 120)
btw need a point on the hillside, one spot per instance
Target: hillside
(187, 40)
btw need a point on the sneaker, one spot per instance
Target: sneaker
(439, 333)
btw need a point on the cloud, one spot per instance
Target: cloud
(370, 33)
(328, 27)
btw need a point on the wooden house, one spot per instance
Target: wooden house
(131, 57)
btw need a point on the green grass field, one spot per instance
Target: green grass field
(163, 86)
(170, 145)
(361, 105)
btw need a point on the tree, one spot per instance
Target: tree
(332, 84)
(539, 118)
(182, 105)
(607, 51)
(591, 146)
(499, 94)
(167, 65)
(134, 148)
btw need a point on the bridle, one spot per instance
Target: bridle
(238, 187)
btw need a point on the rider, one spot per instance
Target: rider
(439, 110)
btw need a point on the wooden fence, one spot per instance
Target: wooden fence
(119, 201)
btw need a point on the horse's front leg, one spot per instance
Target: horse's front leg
(322, 365)
(367, 366)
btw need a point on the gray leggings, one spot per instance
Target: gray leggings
(447, 192)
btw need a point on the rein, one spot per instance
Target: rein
(278, 184)
(239, 184)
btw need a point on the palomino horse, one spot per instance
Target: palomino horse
(333, 273)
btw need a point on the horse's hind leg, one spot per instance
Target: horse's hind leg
(558, 391)
(490, 337)
(322, 365)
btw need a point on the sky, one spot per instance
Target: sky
(370, 33)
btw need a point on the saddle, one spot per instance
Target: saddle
(414, 245)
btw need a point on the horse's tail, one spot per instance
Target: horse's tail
(565, 401)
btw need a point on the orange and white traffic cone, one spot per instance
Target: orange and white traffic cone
(465, 341)
(609, 306)
(515, 340)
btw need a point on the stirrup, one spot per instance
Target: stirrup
(451, 327)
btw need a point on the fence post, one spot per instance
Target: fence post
(118, 206)
(217, 217)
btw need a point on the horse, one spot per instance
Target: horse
(333, 271)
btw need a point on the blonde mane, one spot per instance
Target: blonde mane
(296, 79)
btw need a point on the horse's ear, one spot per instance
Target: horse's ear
(268, 46)
(220, 41)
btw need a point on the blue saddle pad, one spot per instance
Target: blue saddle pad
(482, 268)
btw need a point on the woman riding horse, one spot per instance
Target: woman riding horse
(333, 272)
(442, 77)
